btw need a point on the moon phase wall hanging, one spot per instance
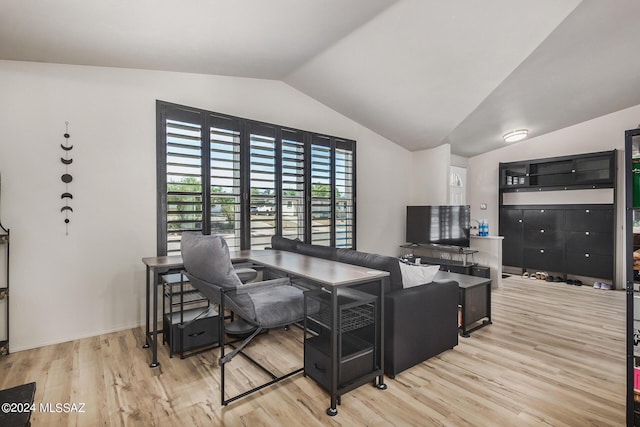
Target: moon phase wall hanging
(66, 177)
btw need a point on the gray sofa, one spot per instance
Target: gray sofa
(420, 322)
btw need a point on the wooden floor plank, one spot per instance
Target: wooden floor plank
(555, 355)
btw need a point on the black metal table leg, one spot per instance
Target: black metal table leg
(332, 410)
(154, 346)
(381, 385)
(147, 302)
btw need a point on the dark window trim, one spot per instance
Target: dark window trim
(207, 118)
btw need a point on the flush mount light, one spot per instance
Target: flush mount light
(515, 135)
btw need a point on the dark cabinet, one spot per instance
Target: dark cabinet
(590, 219)
(589, 264)
(589, 249)
(543, 232)
(597, 243)
(562, 238)
(567, 239)
(543, 259)
(543, 219)
(594, 169)
(590, 170)
(511, 227)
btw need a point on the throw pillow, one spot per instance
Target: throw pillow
(414, 275)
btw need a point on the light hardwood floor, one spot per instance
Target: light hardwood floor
(554, 356)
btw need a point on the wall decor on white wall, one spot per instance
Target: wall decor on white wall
(66, 178)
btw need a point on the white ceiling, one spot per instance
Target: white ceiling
(418, 72)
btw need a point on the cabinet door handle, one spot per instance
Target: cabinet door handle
(542, 231)
(541, 210)
(196, 334)
(586, 210)
(519, 220)
(587, 233)
(315, 365)
(586, 255)
(541, 251)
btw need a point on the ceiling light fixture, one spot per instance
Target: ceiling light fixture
(515, 135)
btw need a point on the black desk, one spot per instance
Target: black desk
(330, 275)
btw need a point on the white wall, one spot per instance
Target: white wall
(600, 134)
(430, 176)
(92, 281)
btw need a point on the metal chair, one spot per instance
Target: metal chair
(265, 305)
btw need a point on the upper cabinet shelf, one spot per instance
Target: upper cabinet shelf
(591, 170)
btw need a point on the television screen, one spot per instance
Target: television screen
(439, 225)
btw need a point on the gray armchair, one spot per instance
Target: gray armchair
(265, 305)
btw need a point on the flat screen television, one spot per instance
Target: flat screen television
(439, 225)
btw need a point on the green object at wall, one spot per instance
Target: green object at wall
(635, 177)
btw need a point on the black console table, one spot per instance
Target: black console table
(450, 258)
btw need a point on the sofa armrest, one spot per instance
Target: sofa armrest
(420, 322)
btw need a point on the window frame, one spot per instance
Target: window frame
(166, 110)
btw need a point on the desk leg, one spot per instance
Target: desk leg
(332, 410)
(381, 385)
(147, 302)
(154, 346)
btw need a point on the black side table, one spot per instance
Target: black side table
(16, 403)
(474, 298)
(475, 303)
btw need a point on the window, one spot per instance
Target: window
(248, 181)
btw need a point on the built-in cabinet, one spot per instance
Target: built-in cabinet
(591, 170)
(570, 239)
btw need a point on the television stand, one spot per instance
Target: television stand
(442, 255)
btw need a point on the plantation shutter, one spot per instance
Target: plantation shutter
(249, 181)
(344, 194)
(225, 186)
(262, 190)
(292, 177)
(183, 184)
(321, 194)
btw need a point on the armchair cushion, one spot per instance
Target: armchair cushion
(207, 257)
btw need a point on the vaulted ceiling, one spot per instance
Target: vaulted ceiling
(418, 72)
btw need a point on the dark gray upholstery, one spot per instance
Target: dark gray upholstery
(266, 304)
(420, 322)
(207, 258)
(245, 274)
(317, 251)
(375, 261)
(283, 244)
